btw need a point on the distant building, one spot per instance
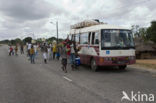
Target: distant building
(145, 50)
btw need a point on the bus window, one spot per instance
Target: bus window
(93, 37)
(84, 38)
(89, 37)
(96, 38)
(72, 38)
(77, 38)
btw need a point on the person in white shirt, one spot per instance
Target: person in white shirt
(72, 55)
(29, 47)
(49, 52)
(35, 50)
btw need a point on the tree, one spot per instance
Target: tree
(151, 31)
(39, 40)
(51, 39)
(54, 38)
(18, 40)
(143, 34)
(135, 30)
(13, 42)
(27, 40)
(4, 42)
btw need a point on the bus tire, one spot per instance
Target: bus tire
(122, 67)
(93, 65)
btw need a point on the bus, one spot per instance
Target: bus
(104, 45)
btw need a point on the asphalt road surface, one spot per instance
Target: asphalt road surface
(22, 82)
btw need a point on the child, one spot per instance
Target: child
(45, 57)
(45, 53)
(10, 50)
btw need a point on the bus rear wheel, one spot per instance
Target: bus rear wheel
(122, 67)
(94, 65)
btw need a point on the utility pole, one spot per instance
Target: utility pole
(57, 30)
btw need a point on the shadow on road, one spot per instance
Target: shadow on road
(107, 69)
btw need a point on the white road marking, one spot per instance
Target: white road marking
(67, 78)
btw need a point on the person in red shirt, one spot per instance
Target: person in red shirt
(10, 50)
(68, 50)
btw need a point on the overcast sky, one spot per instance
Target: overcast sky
(21, 18)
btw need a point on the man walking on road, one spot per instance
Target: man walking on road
(16, 50)
(22, 49)
(35, 50)
(29, 47)
(64, 58)
(32, 55)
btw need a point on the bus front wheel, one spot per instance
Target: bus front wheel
(93, 65)
(122, 67)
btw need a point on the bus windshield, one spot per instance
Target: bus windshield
(116, 39)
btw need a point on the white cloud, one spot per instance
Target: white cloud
(23, 17)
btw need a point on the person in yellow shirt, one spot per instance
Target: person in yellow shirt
(16, 50)
(32, 54)
(54, 51)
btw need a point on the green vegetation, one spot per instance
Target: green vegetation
(28, 40)
(151, 31)
(147, 34)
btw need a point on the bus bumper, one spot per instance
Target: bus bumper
(115, 61)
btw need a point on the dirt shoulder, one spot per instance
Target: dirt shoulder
(148, 64)
(146, 61)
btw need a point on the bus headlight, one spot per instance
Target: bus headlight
(101, 59)
(127, 58)
(113, 59)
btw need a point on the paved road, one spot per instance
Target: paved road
(22, 82)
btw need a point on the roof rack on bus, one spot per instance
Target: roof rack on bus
(86, 23)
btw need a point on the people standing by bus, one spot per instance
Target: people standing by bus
(72, 56)
(64, 58)
(32, 55)
(68, 51)
(58, 52)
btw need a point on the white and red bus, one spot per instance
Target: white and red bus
(104, 45)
